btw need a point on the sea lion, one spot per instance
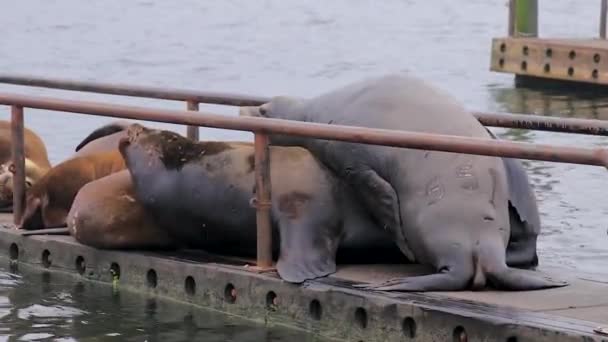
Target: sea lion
(102, 139)
(36, 162)
(449, 210)
(49, 200)
(201, 192)
(105, 214)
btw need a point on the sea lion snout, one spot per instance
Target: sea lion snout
(134, 131)
(250, 111)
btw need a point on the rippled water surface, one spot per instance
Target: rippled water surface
(307, 47)
(36, 306)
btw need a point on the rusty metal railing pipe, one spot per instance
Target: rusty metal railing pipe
(192, 132)
(262, 201)
(414, 140)
(535, 122)
(135, 91)
(18, 159)
(542, 123)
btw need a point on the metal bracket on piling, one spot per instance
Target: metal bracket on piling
(192, 132)
(18, 157)
(262, 202)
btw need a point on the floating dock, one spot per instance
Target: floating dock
(535, 60)
(328, 307)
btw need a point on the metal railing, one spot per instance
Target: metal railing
(261, 127)
(194, 97)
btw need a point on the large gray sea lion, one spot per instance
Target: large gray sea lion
(105, 214)
(36, 162)
(449, 210)
(201, 191)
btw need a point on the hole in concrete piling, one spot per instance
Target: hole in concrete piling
(190, 286)
(459, 335)
(80, 266)
(570, 71)
(230, 293)
(13, 251)
(46, 258)
(547, 68)
(409, 327)
(315, 310)
(115, 270)
(151, 278)
(596, 58)
(501, 62)
(361, 318)
(503, 47)
(549, 52)
(512, 339)
(524, 65)
(572, 54)
(594, 74)
(525, 50)
(271, 300)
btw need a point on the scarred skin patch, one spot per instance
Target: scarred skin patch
(292, 204)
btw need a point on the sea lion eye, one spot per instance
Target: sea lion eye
(263, 111)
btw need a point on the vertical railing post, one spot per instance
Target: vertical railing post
(18, 157)
(263, 204)
(603, 10)
(512, 18)
(526, 18)
(192, 131)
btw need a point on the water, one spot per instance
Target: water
(307, 47)
(37, 306)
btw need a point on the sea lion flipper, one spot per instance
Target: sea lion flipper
(308, 247)
(111, 128)
(523, 216)
(378, 195)
(523, 280)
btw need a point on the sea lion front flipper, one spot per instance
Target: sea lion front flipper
(309, 238)
(381, 200)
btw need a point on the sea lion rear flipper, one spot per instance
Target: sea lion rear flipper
(523, 215)
(111, 128)
(381, 199)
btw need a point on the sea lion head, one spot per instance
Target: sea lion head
(141, 148)
(33, 173)
(279, 107)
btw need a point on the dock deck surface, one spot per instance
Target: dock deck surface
(568, 313)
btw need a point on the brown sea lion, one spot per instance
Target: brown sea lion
(36, 162)
(49, 200)
(449, 210)
(201, 192)
(105, 214)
